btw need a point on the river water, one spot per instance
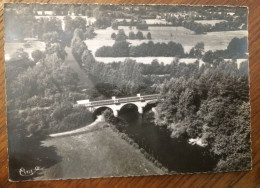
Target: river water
(177, 155)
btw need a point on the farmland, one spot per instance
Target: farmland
(148, 60)
(211, 22)
(212, 40)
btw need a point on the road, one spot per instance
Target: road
(84, 81)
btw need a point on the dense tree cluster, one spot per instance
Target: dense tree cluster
(121, 36)
(151, 49)
(42, 85)
(200, 28)
(236, 22)
(27, 26)
(170, 49)
(197, 51)
(237, 48)
(214, 107)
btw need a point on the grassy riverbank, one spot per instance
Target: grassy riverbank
(100, 153)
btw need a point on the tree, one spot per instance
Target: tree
(121, 49)
(237, 48)
(55, 49)
(113, 36)
(121, 36)
(78, 33)
(139, 35)
(62, 111)
(243, 68)
(131, 35)
(87, 60)
(105, 51)
(197, 51)
(51, 37)
(37, 55)
(149, 36)
(90, 33)
(115, 25)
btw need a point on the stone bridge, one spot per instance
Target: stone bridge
(115, 104)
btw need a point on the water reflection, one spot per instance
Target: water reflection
(177, 155)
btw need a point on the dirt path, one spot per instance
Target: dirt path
(99, 153)
(84, 81)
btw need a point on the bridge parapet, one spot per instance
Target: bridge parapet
(115, 100)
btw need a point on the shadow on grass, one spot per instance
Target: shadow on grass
(27, 157)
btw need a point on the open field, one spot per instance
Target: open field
(148, 60)
(10, 48)
(212, 40)
(100, 153)
(148, 21)
(211, 22)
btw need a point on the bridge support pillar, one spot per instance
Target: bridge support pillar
(115, 112)
(140, 110)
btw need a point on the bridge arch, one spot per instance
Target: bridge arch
(99, 111)
(128, 106)
(150, 105)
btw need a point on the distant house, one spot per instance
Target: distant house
(230, 13)
(45, 13)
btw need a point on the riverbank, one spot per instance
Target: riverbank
(137, 146)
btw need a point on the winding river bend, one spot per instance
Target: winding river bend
(177, 155)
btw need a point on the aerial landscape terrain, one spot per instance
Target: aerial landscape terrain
(126, 90)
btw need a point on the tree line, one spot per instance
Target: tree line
(131, 36)
(150, 49)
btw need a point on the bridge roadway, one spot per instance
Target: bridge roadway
(115, 104)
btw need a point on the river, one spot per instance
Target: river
(177, 155)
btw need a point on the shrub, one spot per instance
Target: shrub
(139, 35)
(149, 36)
(131, 35)
(141, 26)
(62, 111)
(37, 55)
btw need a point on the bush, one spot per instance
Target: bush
(115, 25)
(38, 101)
(139, 35)
(131, 35)
(113, 36)
(237, 48)
(149, 36)
(62, 111)
(78, 117)
(37, 55)
(121, 36)
(109, 116)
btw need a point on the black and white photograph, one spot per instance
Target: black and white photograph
(102, 90)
